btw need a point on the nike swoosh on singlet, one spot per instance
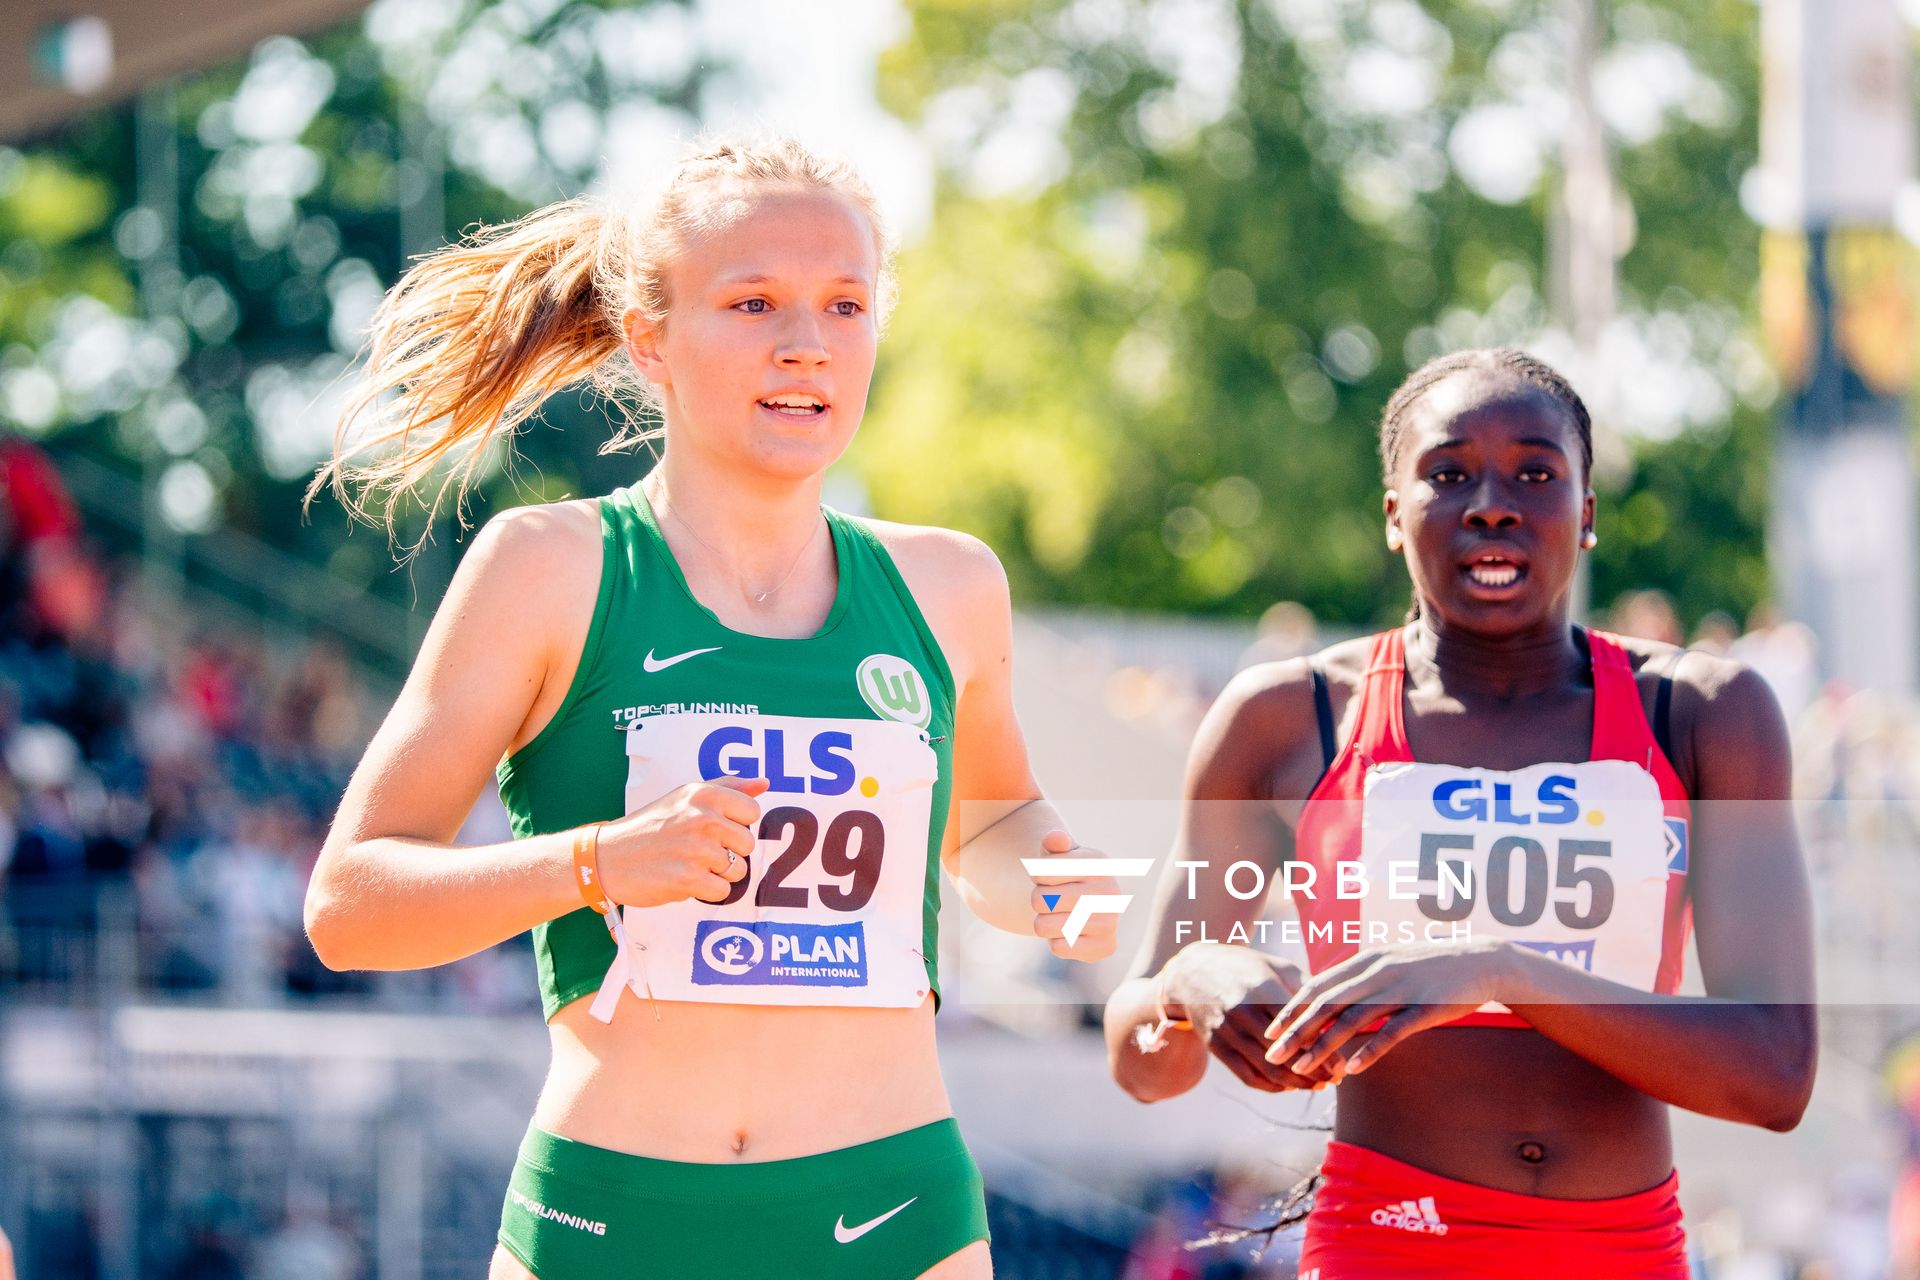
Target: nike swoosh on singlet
(653, 664)
(847, 1235)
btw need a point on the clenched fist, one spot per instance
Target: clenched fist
(677, 847)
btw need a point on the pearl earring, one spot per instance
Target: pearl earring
(1393, 539)
(1589, 540)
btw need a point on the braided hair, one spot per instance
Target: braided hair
(1512, 362)
(1509, 363)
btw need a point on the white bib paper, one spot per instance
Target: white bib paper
(1567, 859)
(831, 911)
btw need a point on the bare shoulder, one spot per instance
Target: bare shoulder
(1261, 738)
(1651, 659)
(1721, 689)
(542, 528)
(1276, 698)
(538, 566)
(541, 553)
(1654, 662)
(1250, 731)
(939, 562)
(1345, 666)
(961, 590)
(1255, 717)
(1729, 732)
(1724, 701)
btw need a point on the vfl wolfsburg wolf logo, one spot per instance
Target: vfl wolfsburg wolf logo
(894, 690)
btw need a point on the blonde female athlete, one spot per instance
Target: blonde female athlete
(747, 723)
(1570, 803)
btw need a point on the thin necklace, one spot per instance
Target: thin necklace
(761, 598)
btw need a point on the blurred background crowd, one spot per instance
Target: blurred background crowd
(165, 780)
(166, 777)
(1163, 262)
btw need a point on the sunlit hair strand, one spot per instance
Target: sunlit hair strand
(474, 338)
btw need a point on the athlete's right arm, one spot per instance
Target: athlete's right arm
(390, 890)
(1229, 814)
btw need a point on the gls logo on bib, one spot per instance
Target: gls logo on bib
(893, 688)
(831, 910)
(1467, 800)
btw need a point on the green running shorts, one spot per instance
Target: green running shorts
(884, 1210)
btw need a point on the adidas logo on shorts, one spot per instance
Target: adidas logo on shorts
(1419, 1217)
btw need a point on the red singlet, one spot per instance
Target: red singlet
(1586, 861)
(1538, 876)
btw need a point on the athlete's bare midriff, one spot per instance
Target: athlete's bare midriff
(1507, 1108)
(720, 1083)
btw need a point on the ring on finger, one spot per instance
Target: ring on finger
(732, 859)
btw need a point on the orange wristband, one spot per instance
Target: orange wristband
(586, 867)
(1160, 1005)
(1154, 1038)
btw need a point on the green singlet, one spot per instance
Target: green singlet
(852, 727)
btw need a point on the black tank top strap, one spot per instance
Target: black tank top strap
(1663, 706)
(1323, 713)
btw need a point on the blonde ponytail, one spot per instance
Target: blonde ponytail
(463, 351)
(470, 342)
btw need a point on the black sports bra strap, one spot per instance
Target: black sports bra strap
(1323, 711)
(1663, 708)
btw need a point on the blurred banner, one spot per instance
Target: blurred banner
(54, 61)
(1837, 302)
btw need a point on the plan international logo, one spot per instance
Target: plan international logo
(778, 953)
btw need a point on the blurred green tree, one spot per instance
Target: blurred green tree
(1184, 249)
(195, 326)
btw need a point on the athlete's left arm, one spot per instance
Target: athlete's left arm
(997, 816)
(1745, 1051)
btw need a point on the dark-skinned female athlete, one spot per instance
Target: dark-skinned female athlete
(1542, 813)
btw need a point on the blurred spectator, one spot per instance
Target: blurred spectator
(1287, 630)
(1785, 653)
(210, 1255)
(1903, 1087)
(1646, 615)
(254, 894)
(1857, 769)
(307, 1247)
(48, 585)
(319, 707)
(158, 780)
(169, 784)
(214, 683)
(1716, 634)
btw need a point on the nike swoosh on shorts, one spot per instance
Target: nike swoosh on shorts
(847, 1235)
(653, 664)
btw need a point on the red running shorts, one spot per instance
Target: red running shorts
(1375, 1218)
